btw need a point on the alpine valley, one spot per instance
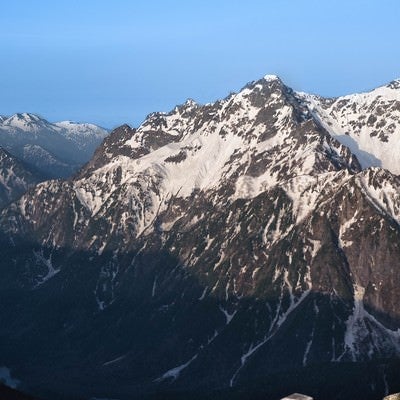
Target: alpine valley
(247, 248)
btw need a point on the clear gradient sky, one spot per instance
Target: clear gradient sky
(111, 62)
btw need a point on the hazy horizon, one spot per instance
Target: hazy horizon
(109, 64)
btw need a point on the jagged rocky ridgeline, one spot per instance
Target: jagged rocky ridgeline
(247, 246)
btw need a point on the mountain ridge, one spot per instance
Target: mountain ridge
(211, 246)
(56, 149)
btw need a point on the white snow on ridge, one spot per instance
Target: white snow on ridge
(81, 129)
(199, 156)
(24, 122)
(33, 124)
(367, 123)
(202, 153)
(271, 78)
(248, 141)
(210, 152)
(200, 159)
(385, 197)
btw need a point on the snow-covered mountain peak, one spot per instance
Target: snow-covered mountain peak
(189, 103)
(271, 78)
(367, 123)
(247, 107)
(56, 149)
(181, 109)
(30, 117)
(395, 84)
(25, 122)
(28, 122)
(241, 143)
(72, 124)
(244, 114)
(81, 129)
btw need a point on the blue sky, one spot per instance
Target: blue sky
(111, 62)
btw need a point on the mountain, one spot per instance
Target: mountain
(237, 248)
(56, 150)
(367, 123)
(16, 177)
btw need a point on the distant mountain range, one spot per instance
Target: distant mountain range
(247, 248)
(53, 149)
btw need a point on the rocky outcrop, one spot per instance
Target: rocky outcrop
(16, 177)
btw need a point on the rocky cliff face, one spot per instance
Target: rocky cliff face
(213, 247)
(16, 177)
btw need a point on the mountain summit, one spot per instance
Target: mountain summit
(54, 149)
(250, 244)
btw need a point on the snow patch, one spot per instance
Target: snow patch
(174, 373)
(271, 78)
(47, 262)
(7, 379)
(228, 316)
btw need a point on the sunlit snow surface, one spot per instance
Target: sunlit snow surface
(204, 155)
(31, 123)
(367, 123)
